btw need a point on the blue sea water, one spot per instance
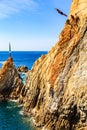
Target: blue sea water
(10, 117)
(22, 57)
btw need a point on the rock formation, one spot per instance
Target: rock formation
(10, 81)
(22, 69)
(55, 93)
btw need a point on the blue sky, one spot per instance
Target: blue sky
(31, 24)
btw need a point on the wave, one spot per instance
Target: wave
(10, 107)
(20, 105)
(21, 112)
(13, 100)
(1, 63)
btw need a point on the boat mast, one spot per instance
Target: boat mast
(9, 49)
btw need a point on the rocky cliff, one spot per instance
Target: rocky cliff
(10, 81)
(55, 93)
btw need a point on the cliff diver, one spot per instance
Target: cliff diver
(60, 12)
(9, 50)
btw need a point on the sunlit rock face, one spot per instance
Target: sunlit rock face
(55, 92)
(22, 69)
(79, 7)
(10, 81)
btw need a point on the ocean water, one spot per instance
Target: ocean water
(11, 116)
(22, 57)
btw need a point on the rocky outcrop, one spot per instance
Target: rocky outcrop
(10, 81)
(56, 90)
(22, 69)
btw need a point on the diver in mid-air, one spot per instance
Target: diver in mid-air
(60, 12)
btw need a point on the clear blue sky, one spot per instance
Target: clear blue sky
(31, 24)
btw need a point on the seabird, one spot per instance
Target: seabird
(60, 12)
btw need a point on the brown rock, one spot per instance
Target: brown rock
(10, 81)
(56, 95)
(22, 69)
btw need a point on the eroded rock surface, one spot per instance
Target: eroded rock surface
(22, 69)
(55, 94)
(10, 81)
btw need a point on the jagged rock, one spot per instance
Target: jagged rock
(10, 81)
(56, 95)
(22, 69)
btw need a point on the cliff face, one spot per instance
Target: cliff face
(56, 87)
(10, 81)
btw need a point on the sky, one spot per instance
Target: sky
(31, 25)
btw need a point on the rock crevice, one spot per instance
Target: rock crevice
(55, 90)
(57, 84)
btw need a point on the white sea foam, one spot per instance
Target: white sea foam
(1, 62)
(8, 107)
(21, 112)
(20, 105)
(13, 100)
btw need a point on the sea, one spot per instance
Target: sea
(11, 115)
